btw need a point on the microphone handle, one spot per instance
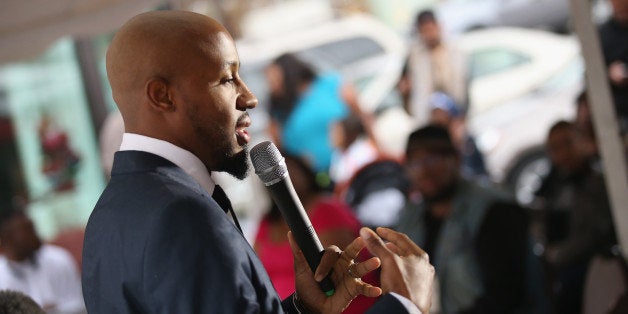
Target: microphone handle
(294, 214)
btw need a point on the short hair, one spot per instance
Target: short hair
(295, 69)
(14, 302)
(561, 125)
(6, 214)
(425, 16)
(432, 138)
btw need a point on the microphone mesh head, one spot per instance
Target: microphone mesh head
(268, 163)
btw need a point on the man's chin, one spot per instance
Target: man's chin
(445, 193)
(240, 174)
(237, 165)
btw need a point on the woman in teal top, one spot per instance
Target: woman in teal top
(306, 131)
(304, 106)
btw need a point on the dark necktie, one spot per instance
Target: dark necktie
(223, 201)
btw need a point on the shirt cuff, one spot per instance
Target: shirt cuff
(411, 307)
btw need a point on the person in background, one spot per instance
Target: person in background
(12, 186)
(370, 182)
(159, 239)
(333, 221)
(303, 107)
(353, 149)
(614, 41)
(446, 113)
(46, 273)
(286, 76)
(404, 87)
(476, 236)
(577, 218)
(434, 65)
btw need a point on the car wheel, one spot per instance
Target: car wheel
(527, 176)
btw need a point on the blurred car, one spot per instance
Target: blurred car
(521, 82)
(365, 52)
(459, 16)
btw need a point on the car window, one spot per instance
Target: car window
(493, 60)
(572, 73)
(337, 54)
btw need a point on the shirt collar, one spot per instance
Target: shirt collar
(175, 154)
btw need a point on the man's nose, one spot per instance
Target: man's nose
(246, 100)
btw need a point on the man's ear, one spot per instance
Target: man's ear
(158, 93)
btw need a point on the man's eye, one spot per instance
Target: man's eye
(227, 80)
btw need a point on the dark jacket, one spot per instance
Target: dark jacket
(156, 242)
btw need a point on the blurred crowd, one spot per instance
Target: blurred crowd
(491, 254)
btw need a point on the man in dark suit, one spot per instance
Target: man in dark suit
(158, 241)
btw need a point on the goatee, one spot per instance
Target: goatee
(237, 165)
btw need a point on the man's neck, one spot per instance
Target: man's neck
(440, 205)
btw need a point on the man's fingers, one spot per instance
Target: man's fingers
(333, 253)
(405, 245)
(365, 267)
(353, 249)
(368, 290)
(374, 243)
(393, 248)
(328, 260)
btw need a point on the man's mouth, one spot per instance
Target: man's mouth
(242, 135)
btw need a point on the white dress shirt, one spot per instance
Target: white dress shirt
(175, 154)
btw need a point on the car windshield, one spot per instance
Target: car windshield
(335, 55)
(571, 73)
(492, 60)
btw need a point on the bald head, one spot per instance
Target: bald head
(153, 45)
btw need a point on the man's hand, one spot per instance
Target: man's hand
(406, 268)
(348, 285)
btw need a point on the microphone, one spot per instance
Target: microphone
(271, 168)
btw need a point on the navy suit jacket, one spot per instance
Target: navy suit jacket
(157, 242)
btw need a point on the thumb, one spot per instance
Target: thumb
(374, 243)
